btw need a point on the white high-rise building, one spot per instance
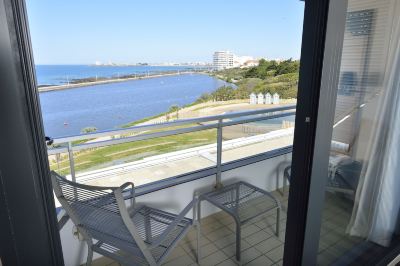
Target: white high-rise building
(223, 60)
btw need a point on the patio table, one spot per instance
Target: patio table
(243, 202)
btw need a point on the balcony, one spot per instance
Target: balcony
(169, 180)
(243, 150)
(157, 155)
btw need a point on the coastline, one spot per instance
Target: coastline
(195, 110)
(107, 81)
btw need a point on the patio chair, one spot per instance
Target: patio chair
(344, 179)
(132, 235)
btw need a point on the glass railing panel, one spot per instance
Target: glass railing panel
(249, 139)
(60, 163)
(141, 161)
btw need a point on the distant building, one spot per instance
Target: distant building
(253, 98)
(268, 98)
(240, 61)
(260, 98)
(250, 63)
(226, 60)
(275, 98)
(223, 60)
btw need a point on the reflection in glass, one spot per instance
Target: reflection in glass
(361, 212)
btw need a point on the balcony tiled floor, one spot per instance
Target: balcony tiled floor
(260, 246)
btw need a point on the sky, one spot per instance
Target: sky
(154, 31)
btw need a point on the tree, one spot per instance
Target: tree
(251, 73)
(287, 66)
(240, 93)
(174, 108)
(272, 68)
(205, 97)
(269, 76)
(224, 93)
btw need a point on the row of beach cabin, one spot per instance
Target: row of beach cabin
(264, 99)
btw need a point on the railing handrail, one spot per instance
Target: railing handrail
(140, 128)
(160, 134)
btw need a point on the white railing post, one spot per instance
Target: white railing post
(71, 161)
(218, 183)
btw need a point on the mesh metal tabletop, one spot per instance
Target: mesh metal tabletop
(242, 200)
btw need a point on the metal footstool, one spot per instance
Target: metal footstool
(243, 202)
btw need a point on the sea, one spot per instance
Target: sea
(63, 74)
(109, 106)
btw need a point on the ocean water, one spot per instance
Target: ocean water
(61, 74)
(108, 106)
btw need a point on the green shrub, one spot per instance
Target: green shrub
(88, 130)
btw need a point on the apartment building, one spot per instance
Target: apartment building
(223, 60)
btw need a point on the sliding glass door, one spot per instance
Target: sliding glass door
(355, 183)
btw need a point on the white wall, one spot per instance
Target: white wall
(265, 174)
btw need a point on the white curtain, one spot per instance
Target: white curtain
(377, 204)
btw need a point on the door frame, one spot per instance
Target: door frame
(314, 31)
(29, 229)
(24, 100)
(311, 63)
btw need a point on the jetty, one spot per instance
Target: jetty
(140, 76)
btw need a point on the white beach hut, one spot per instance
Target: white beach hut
(268, 98)
(260, 98)
(253, 98)
(275, 99)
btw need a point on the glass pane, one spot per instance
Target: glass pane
(361, 210)
(248, 139)
(140, 162)
(59, 162)
(111, 74)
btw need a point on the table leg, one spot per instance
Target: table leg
(198, 232)
(238, 240)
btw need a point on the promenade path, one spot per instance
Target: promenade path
(159, 167)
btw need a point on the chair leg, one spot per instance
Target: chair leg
(198, 242)
(284, 185)
(89, 256)
(147, 226)
(198, 229)
(278, 215)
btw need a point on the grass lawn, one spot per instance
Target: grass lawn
(132, 151)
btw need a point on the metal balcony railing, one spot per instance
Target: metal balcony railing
(144, 132)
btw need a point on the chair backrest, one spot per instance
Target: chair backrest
(102, 214)
(350, 173)
(94, 209)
